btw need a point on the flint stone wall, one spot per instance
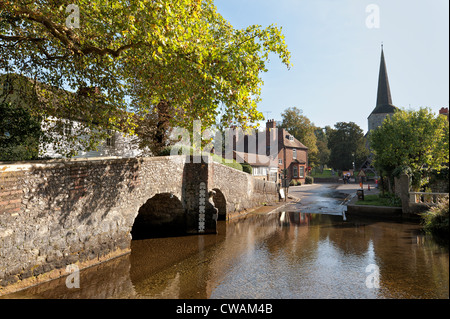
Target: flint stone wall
(60, 212)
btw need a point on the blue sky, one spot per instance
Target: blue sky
(336, 57)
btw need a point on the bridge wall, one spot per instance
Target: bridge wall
(242, 191)
(55, 213)
(60, 212)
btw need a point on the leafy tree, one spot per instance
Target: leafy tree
(139, 54)
(411, 141)
(302, 129)
(322, 145)
(347, 145)
(19, 134)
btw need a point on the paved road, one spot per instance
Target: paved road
(325, 198)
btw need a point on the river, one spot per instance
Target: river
(289, 254)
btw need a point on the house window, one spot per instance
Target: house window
(110, 141)
(291, 138)
(259, 171)
(295, 171)
(280, 161)
(294, 153)
(302, 171)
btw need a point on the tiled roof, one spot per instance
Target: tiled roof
(284, 139)
(253, 160)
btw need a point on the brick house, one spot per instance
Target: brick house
(292, 154)
(284, 151)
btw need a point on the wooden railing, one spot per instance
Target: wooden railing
(427, 198)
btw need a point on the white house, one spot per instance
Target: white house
(118, 145)
(16, 89)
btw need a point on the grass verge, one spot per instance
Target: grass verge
(389, 200)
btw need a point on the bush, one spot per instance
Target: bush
(19, 134)
(295, 182)
(309, 180)
(247, 168)
(391, 199)
(436, 219)
(221, 160)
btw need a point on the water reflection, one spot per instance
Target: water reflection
(283, 255)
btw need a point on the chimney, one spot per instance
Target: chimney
(271, 137)
(271, 124)
(444, 111)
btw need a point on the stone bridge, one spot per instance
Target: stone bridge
(63, 212)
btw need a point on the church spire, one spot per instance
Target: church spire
(384, 91)
(384, 99)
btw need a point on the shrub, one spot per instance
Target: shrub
(295, 182)
(436, 219)
(309, 180)
(391, 199)
(19, 134)
(247, 168)
(221, 160)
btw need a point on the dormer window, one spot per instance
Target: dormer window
(291, 138)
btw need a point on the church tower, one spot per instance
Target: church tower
(384, 105)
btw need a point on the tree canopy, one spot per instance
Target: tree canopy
(323, 156)
(138, 54)
(414, 141)
(302, 129)
(347, 145)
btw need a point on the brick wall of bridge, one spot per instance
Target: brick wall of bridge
(61, 212)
